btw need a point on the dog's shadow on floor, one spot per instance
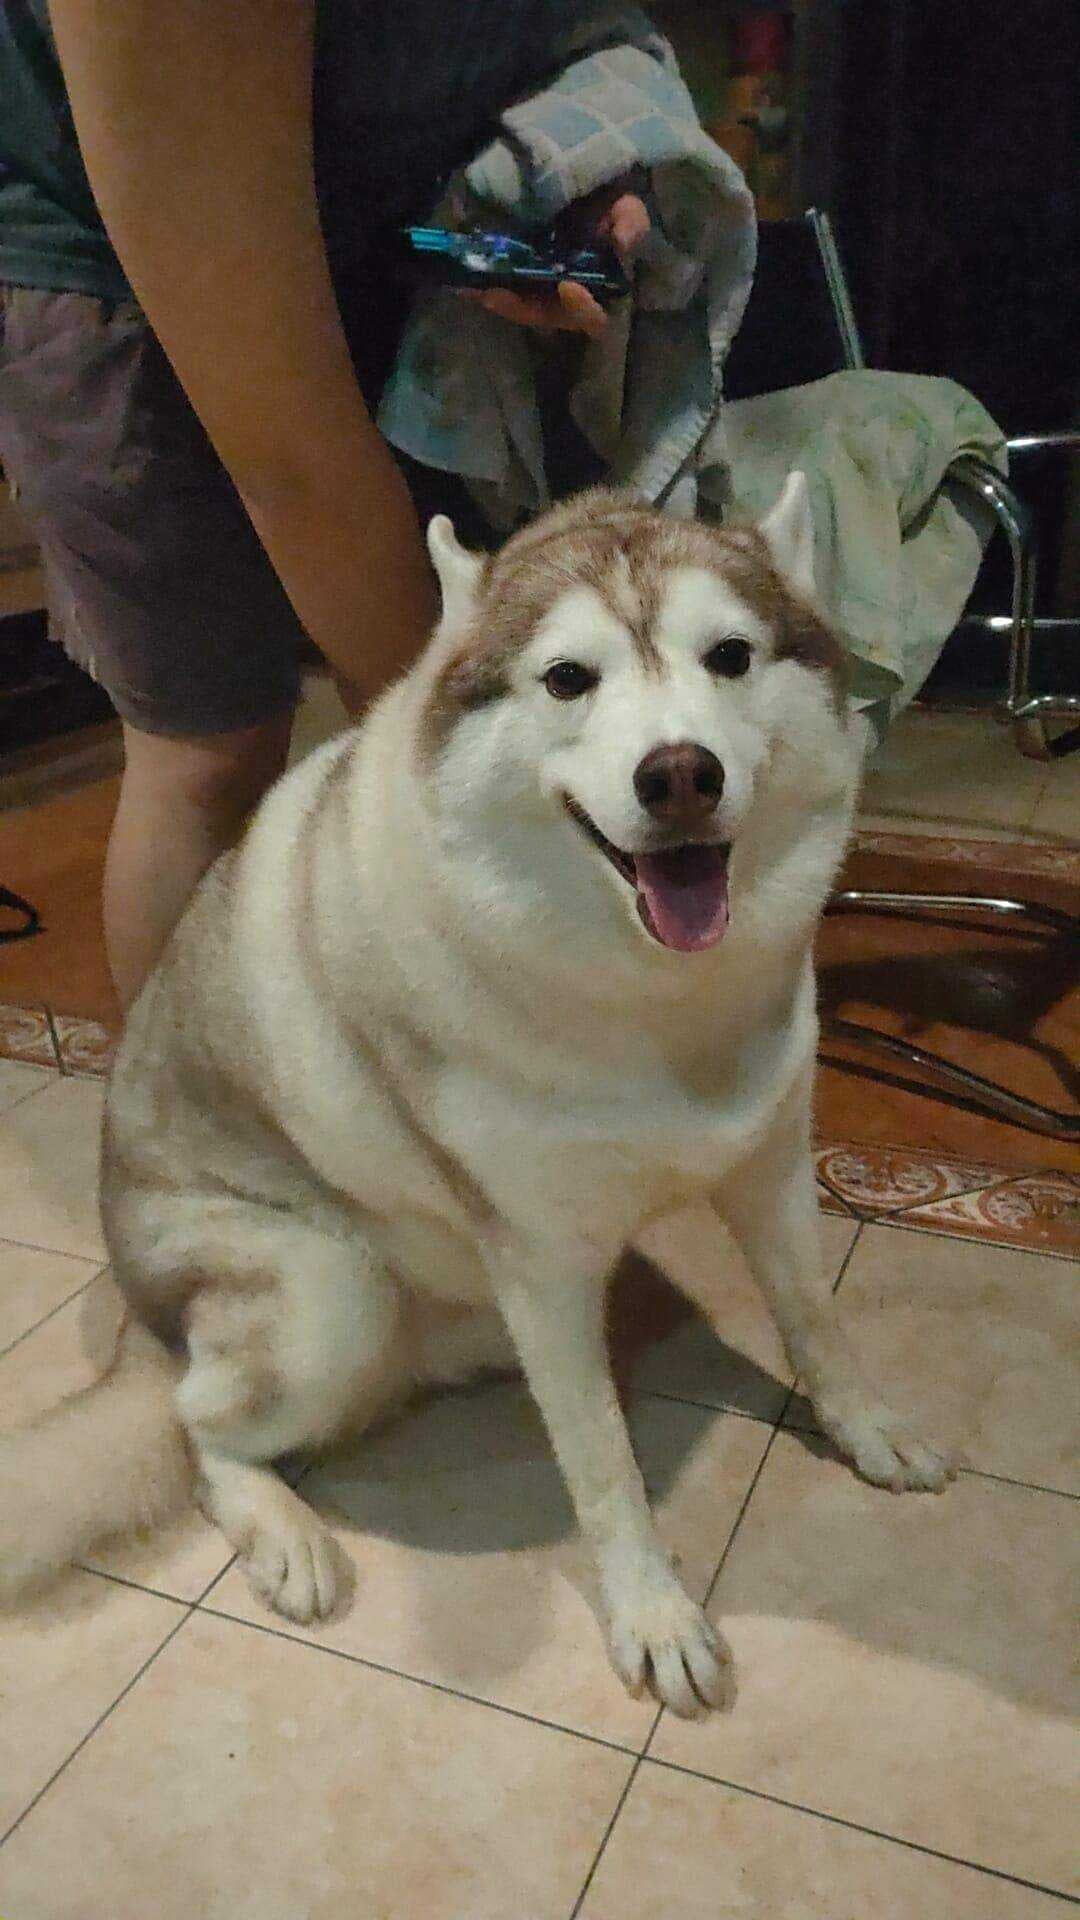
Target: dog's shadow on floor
(467, 1470)
(424, 1505)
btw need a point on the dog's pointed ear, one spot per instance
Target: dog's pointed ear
(788, 532)
(458, 569)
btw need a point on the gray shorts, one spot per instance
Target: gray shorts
(157, 582)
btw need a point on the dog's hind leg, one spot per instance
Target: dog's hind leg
(771, 1207)
(289, 1332)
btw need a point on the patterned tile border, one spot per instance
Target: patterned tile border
(84, 1045)
(874, 1180)
(25, 1034)
(1014, 856)
(939, 1194)
(1040, 1211)
(828, 1202)
(907, 1185)
(64, 1041)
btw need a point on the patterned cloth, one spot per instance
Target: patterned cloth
(465, 392)
(897, 545)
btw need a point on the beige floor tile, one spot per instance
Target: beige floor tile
(48, 1169)
(468, 1569)
(980, 1344)
(904, 1661)
(689, 1850)
(63, 1356)
(64, 1658)
(33, 1284)
(738, 1361)
(948, 766)
(17, 1080)
(248, 1777)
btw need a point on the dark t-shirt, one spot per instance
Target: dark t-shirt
(405, 90)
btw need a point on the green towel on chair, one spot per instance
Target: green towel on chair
(896, 550)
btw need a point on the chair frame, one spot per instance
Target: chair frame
(1026, 713)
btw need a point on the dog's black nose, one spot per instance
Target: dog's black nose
(680, 784)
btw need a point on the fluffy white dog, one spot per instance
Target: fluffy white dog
(516, 967)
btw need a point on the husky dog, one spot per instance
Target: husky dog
(493, 981)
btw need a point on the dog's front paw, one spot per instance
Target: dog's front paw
(884, 1450)
(662, 1642)
(297, 1569)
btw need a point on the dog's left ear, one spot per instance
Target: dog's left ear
(457, 568)
(788, 532)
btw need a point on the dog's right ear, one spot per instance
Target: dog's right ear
(458, 570)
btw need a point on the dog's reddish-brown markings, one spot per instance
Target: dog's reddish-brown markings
(592, 541)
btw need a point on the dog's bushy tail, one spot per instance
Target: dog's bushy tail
(105, 1462)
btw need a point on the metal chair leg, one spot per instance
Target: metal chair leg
(986, 1094)
(1027, 713)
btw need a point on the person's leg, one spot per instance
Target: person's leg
(157, 586)
(182, 802)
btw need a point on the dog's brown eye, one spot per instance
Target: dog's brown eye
(568, 680)
(729, 658)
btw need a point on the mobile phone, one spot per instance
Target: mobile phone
(432, 256)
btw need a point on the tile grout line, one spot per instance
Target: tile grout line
(55, 1038)
(898, 1219)
(1007, 1480)
(97, 1260)
(873, 1833)
(219, 1576)
(743, 1413)
(54, 1073)
(297, 1639)
(741, 1515)
(644, 1753)
(21, 1099)
(777, 1427)
(53, 1311)
(846, 1211)
(21, 1059)
(639, 1761)
(910, 1223)
(962, 1193)
(962, 1473)
(835, 1288)
(26, 1060)
(705, 1406)
(185, 1616)
(189, 1606)
(141, 1586)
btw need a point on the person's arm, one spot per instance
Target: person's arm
(195, 122)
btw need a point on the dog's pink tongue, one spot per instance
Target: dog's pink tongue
(684, 896)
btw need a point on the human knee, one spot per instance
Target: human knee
(219, 775)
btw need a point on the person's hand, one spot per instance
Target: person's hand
(617, 215)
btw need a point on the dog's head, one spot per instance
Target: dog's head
(639, 680)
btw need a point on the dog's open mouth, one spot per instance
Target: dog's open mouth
(682, 892)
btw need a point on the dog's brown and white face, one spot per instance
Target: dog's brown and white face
(631, 676)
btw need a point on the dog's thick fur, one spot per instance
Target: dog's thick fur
(414, 1069)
